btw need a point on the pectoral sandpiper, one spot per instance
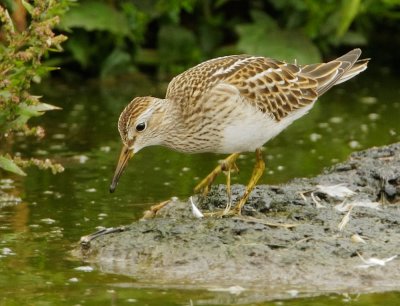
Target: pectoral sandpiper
(230, 104)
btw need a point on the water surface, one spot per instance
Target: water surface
(55, 211)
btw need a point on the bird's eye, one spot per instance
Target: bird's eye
(141, 127)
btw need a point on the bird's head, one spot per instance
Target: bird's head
(139, 127)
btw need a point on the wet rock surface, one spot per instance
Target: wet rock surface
(293, 236)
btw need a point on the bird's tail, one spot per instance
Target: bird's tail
(337, 71)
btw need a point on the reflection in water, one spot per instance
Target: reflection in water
(20, 220)
(37, 234)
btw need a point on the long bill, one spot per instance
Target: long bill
(124, 157)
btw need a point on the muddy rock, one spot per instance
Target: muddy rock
(305, 235)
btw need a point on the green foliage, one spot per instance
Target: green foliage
(348, 12)
(8, 164)
(112, 37)
(177, 49)
(327, 23)
(20, 65)
(90, 16)
(106, 36)
(93, 15)
(289, 45)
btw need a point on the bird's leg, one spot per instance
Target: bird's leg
(152, 212)
(226, 165)
(228, 192)
(258, 170)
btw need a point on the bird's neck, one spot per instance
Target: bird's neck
(172, 125)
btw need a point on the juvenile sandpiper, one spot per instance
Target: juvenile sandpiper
(230, 104)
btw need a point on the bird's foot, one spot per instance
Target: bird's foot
(227, 212)
(258, 170)
(227, 165)
(152, 212)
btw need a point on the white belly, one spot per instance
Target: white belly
(253, 129)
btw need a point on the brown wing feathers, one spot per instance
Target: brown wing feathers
(336, 71)
(274, 87)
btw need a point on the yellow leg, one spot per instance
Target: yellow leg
(258, 170)
(227, 165)
(152, 212)
(228, 192)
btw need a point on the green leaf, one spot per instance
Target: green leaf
(27, 6)
(178, 49)
(25, 112)
(349, 11)
(35, 109)
(353, 39)
(9, 165)
(117, 62)
(80, 47)
(9, 22)
(95, 16)
(264, 37)
(43, 107)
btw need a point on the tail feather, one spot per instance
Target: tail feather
(336, 71)
(357, 68)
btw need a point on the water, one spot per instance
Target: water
(37, 234)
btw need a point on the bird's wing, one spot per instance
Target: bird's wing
(337, 71)
(274, 87)
(194, 82)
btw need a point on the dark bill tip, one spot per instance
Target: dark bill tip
(113, 186)
(126, 153)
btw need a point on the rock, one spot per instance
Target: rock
(283, 242)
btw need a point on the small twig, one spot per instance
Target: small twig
(317, 203)
(303, 196)
(271, 224)
(345, 219)
(85, 240)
